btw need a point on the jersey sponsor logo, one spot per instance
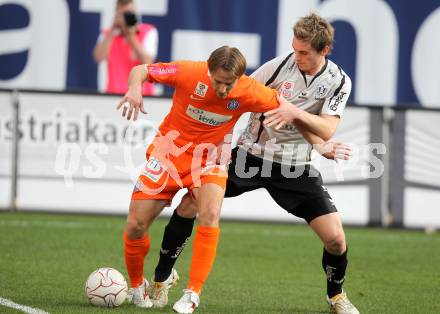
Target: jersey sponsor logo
(320, 92)
(162, 69)
(201, 89)
(286, 93)
(288, 85)
(154, 169)
(338, 100)
(207, 117)
(233, 104)
(287, 89)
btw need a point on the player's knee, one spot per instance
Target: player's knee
(186, 212)
(187, 207)
(135, 228)
(210, 215)
(336, 244)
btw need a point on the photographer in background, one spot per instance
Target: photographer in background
(126, 44)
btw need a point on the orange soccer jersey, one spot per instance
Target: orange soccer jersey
(197, 116)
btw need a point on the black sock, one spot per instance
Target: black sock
(175, 237)
(334, 266)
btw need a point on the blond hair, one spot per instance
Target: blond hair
(315, 30)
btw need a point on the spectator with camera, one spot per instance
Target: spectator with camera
(126, 44)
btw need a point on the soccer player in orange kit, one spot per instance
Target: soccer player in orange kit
(208, 99)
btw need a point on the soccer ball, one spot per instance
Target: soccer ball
(106, 287)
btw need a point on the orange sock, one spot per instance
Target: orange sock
(135, 251)
(204, 250)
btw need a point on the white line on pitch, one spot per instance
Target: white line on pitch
(23, 308)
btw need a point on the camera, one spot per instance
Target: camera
(130, 19)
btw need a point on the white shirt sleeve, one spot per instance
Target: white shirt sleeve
(335, 103)
(151, 42)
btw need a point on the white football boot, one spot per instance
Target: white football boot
(187, 303)
(139, 296)
(340, 304)
(159, 290)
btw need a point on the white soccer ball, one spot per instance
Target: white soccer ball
(106, 287)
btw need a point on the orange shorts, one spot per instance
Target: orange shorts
(162, 177)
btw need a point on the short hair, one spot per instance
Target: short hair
(229, 59)
(123, 2)
(316, 30)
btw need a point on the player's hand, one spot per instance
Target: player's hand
(131, 104)
(334, 150)
(279, 117)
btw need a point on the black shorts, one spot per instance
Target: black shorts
(303, 195)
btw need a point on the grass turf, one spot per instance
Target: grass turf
(260, 268)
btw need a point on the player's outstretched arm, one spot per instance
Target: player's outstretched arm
(288, 113)
(323, 126)
(331, 149)
(132, 101)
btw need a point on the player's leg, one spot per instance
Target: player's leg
(209, 200)
(321, 215)
(306, 197)
(181, 223)
(180, 227)
(137, 244)
(176, 234)
(334, 260)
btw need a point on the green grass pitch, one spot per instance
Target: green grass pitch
(260, 267)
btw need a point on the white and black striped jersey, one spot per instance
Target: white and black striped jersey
(324, 93)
